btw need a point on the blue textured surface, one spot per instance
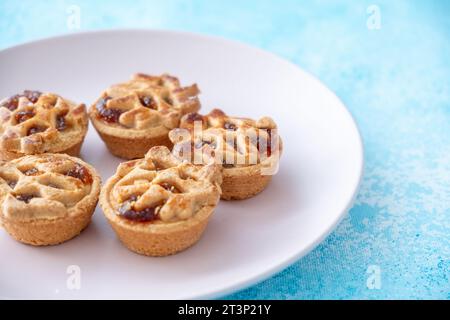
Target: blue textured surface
(396, 82)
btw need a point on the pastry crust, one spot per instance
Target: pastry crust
(243, 183)
(160, 240)
(248, 150)
(47, 199)
(73, 151)
(184, 195)
(134, 116)
(132, 148)
(35, 123)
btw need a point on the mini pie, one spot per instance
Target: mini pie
(159, 205)
(47, 199)
(35, 122)
(134, 116)
(248, 150)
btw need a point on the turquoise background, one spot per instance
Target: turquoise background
(395, 81)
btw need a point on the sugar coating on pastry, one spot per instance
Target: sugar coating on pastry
(48, 186)
(162, 189)
(233, 142)
(33, 122)
(145, 102)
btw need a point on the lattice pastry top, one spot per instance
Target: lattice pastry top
(161, 189)
(146, 102)
(231, 141)
(47, 186)
(35, 122)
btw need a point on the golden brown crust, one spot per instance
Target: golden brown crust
(132, 148)
(47, 199)
(35, 123)
(181, 197)
(243, 183)
(73, 151)
(160, 241)
(143, 109)
(51, 232)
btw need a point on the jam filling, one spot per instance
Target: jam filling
(31, 172)
(81, 173)
(268, 142)
(61, 122)
(34, 130)
(170, 187)
(132, 198)
(25, 197)
(110, 115)
(12, 184)
(168, 100)
(200, 144)
(148, 102)
(191, 117)
(13, 102)
(22, 116)
(148, 214)
(229, 126)
(33, 96)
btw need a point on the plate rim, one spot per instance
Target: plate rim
(256, 279)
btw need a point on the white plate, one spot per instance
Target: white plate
(246, 241)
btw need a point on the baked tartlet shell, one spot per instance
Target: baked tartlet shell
(243, 183)
(132, 148)
(44, 232)
(50, 232)
(131, 145)
(73, 151)
(155, 238)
